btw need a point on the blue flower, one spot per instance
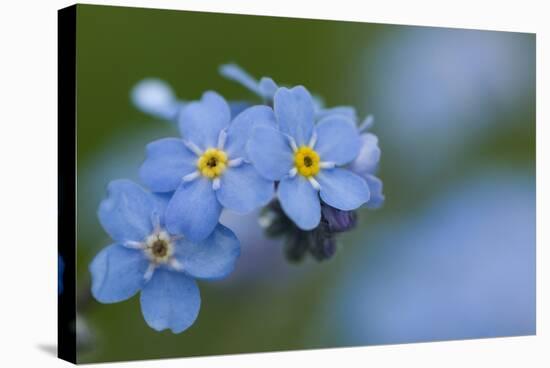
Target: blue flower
(266, 87)
(60, 270)
(147, 257)
(307, 158)
(366, 164)
(208, 169)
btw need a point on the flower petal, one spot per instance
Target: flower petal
(295, 113)
(348, 111)
(201, 121)
(342, 189)
(155, 97)
(337, 139)
(170, 300)
(117, 273)
(240, 128)
(376, 195)
(126, 212)
(368, 157)
(300, 202)
(167, 161)
(269, 152)
(239, 75)
(213, 258)
(194, 210)
(243, 189)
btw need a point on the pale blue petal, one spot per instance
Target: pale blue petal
(368, 157)
(155, 97)
(377, 198)
(213, 258)
(240, 128)
(337, 139)
(126, 212)
(117, 273)
(167, 162)
(239, 75)
(201, 121)
(243, 189)
(294, 112)
(267, 88)
(270, 152)
(342, 189)
(194, 210)
(237, 107)
(300, 202)
(170, 300)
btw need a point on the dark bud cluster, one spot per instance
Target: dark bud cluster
(320, 242)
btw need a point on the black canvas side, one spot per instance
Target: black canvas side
(66, 52)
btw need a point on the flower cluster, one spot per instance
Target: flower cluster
(308, 167)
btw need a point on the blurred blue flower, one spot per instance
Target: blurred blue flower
(155, 97)
(149, 258)
(208, 169)
(305, 158)
(462, 267)
(60, 271)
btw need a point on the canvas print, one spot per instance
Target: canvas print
(237, 184)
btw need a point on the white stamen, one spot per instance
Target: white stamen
(155, 220)
(366, 124)
(222, 137)
(190, 177)
(313, 140)
(216, 184)
(292, 143)
(235, 162)
(292, 173)
(134, 244)
(327, 165)
(192, 147)
(314, 183)
(175, 265)
(149, 272)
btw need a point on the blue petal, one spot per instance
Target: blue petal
(342, 189)
(269, 152)
(267, 88)
(337, 139)
(194, 210)
(167, 161)
(295, 113)
(170, 300)
(239, 75)
(300, 202)
(368, 157)
(117, 273)
(240, 128)
(201, 121)
(60, 271)
(237, 107)
(126, 212)
(243, 189)
(213, 258)
(155, 97)
(376, 195)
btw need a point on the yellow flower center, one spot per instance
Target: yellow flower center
(212, 163)
(306, 161)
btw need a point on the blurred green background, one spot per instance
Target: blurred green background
(453, 108)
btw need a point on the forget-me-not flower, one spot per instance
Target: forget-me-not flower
(307, 158)
(366, 164)
(149, 258)
(208, 169)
